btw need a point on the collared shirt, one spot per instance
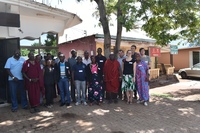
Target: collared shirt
(62, 69)
(72, 62)
(15, 67)
(79, 72)
(121, 59)
(87, 61)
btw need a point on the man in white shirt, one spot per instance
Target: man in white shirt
(87, 59)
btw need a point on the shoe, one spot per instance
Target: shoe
(67, 104)
(85, 103)
(139, 101)
(14, 110)
(32, 110)
(36, 109)
(62, 104)
(77, 103)
(145, 104)
(110, 101)
(25, 108)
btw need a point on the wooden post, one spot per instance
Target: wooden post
(171, 59)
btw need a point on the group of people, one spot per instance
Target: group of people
(89, 80)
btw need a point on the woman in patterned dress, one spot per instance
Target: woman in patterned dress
(94, 83)
(142, 79)
(128, 81)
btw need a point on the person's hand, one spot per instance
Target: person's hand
(120, 79)
(133, 79)
(15, 79)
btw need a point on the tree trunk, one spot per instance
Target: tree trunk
(119, 29)
(104, 22)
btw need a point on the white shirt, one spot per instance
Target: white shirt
(86, 62)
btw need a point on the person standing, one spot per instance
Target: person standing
(63, 77)
(128, 81)
(31, 71)
(94, 82)
(79, 79)
(42, 91)
(142, 79)
(86, 59)
(112, 77)
(133, 49)
(100, 59)
(72, 62)
(13, 67)
(145, 58)
(120, 59)
(49, 83)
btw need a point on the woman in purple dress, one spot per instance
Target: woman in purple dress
(142, 80)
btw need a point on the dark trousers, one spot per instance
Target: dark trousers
(111, 96)
(49, 93)
(73, 92)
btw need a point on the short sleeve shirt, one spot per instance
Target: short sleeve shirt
(15, 67)
(146, 59)
(79, 72)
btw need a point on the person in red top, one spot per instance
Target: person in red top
(112, 77)
(33, 81)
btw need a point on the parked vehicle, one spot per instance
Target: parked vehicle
(194, 71)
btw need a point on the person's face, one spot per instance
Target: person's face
(62, 58)
(133, 49)
(49, 62)
(49, 56)
(129, 53)
(99, 51)
(38, 58)
(142, 52)
(74, 53)
(17, 54)
(31, 56)
(137, 57)
(86, 54)
(79, 60)
(112, 57)
(121, 54)
(93, 59)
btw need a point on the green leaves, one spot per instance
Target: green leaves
(167, 20)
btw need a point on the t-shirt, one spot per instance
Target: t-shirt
(146, 59)
(120, 60)
(15, 67)
(101, 61)
(79, 71)
(72, 62)
(128, 66)
(62, 70)
(86, 62)
(133, 57)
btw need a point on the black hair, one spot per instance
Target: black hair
(134, 46)
(141, 49)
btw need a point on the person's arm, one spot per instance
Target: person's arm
(134, 71)
(11, 75)
(120, 73)
(149, 62)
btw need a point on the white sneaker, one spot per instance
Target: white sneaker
(77, 103)
(145, 104)
(85, 103)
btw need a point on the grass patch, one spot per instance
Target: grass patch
(162, 95)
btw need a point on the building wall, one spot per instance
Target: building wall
(183, 59)
(80, 45)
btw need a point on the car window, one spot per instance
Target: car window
(197, 66)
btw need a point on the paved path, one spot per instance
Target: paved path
(169, 111)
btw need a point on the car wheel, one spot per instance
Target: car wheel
(183, 75)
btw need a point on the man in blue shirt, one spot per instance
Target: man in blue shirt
(79, 79)
(15, 79)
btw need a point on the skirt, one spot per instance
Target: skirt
(127, 83)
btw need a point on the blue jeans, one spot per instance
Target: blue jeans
(14, 86)
(64, 88)
(80, 86)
